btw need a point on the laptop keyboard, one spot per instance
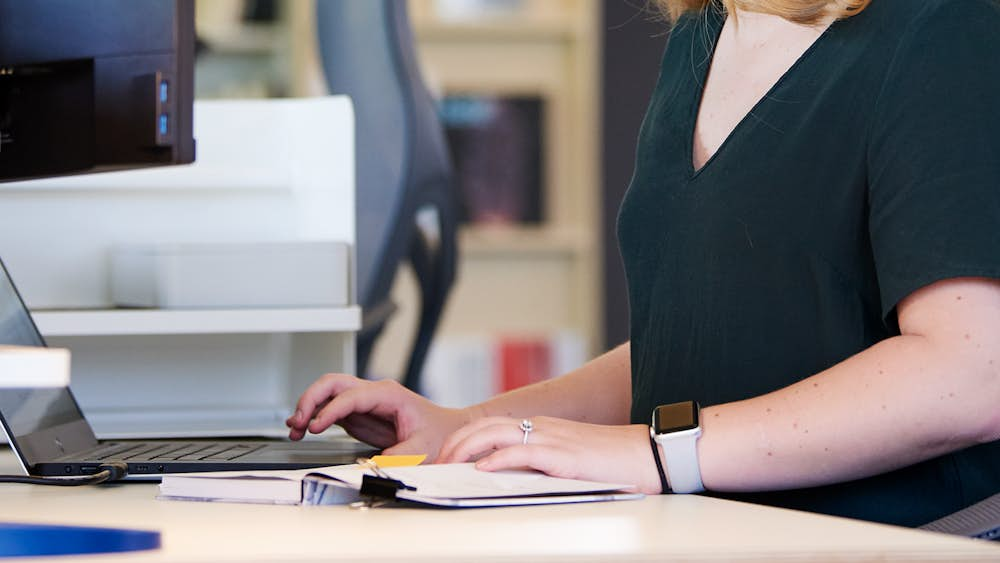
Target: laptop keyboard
(173, 451)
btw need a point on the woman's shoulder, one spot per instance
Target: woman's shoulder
(930, 32)
(906, 17)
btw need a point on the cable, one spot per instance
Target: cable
(106, 472)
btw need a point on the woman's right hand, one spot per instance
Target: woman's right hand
(382, 413)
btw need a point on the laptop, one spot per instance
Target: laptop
(50, 436)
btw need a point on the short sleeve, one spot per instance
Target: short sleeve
(934, 152)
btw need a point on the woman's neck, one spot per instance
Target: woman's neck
(754, 28)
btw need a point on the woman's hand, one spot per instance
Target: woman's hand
(560, 448)
(382, 413)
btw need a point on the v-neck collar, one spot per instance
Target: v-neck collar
(713, 25)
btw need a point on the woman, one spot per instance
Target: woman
(812, 249)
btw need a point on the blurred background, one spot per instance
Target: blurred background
(542, 101)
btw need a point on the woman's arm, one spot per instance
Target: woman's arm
(599, 392)
(386, 414)
(932, 390)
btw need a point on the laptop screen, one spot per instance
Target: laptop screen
(16, 326)
(44, 422)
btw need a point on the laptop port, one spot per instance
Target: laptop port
(88, 469)
(142, 469)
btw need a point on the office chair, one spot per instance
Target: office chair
(981, 520)
(404, 173)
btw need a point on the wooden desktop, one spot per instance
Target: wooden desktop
(660, 528)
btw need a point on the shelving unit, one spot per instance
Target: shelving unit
(540, 279)
(257, 59)
(111, 322)
(521, 241)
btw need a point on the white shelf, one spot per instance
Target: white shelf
(196, 321)
(244, 39)
(511, 29)
(519, 240)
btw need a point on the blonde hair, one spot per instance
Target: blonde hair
(799, 11)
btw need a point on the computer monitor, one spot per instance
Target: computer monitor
(95, 85)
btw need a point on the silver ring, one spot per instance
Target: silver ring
(526, 427)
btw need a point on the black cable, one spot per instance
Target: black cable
(106, 472)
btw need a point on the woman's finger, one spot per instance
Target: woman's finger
(552, 460)
(501, 433)
(464, 432)
(469, 429)
(318, 395)
(380, 398)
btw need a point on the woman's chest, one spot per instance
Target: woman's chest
(749, 61)
(791, 170)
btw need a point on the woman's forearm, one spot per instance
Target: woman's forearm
(598, 392)
(904, 400)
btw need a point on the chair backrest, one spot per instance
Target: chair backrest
(403, 167)
(981, 520)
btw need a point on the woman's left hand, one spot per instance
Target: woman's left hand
(560, 448)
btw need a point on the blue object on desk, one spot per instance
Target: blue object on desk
(19, 540)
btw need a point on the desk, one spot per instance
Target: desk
(662, 528)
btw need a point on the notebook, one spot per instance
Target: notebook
(50, 436)
(458, 485)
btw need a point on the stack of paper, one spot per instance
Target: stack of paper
(263, 487)
(456, 485)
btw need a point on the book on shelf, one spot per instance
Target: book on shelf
(522, 361)
(496, 147)
(462, 370)
(449, 485)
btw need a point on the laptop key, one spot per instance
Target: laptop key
(164, 451)
(240, 451)
(111, 451)
(146, 452)
(205, 452)
(183, 450)
(232, 452)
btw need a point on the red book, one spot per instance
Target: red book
(522, 361)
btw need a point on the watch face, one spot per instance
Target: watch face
(675, 417)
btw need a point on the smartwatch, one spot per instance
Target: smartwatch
(676, 429)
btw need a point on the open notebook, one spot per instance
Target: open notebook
(451, 485)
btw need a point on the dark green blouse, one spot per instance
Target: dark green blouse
(870, 170)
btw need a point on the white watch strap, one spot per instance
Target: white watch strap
(681, 455)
